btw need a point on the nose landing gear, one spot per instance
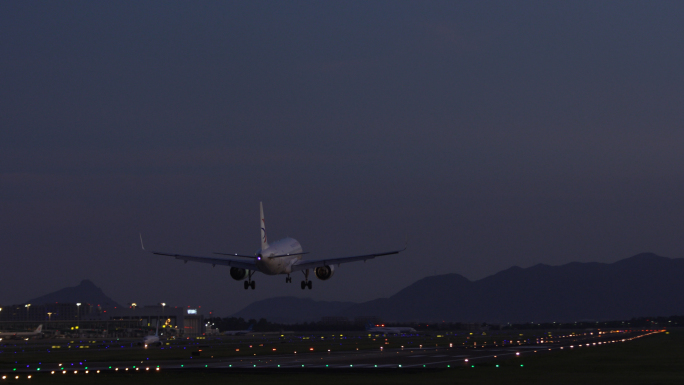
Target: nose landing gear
(288, 279)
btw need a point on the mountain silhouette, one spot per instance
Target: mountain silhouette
(84, 292)
(643, 285)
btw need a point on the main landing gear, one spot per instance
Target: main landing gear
(249, 283)
(306, 283)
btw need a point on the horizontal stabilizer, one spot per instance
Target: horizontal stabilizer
(236, 255)
(256, 256)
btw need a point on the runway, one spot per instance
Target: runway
(369, 359)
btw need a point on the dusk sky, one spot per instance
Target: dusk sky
(487, 134)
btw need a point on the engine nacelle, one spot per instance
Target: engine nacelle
(237, 273)
(324, 272)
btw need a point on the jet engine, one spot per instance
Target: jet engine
(237, 273)
(324, 272)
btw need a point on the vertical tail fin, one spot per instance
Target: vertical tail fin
(39, 329)
(264, 242)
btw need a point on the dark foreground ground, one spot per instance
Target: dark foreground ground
(656, 359)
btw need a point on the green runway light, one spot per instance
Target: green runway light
(521, 365)
(472, 366)
(111, 367)
(182, 366)
(325, 366)
(400, 366)
(448, 366)
(497, 366)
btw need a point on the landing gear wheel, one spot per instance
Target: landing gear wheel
(246, 285)
(288, 279)
(303, 285)
(253, 285)
(309, 285)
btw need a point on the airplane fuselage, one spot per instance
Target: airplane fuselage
(392, 330)
(149, 340)
(270, 265)
(22, 334)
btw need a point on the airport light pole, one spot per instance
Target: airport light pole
(49, 318)
(78, 317)
(163, 304)
(27, 306)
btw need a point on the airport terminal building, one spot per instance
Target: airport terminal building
(83, 318)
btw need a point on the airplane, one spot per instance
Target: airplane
(152, 340)
(238, 332)
(280, 257)
(389, 329)
(39, 330)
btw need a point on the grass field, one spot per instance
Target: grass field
(657, 359)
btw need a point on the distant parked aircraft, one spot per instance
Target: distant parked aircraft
(389, 330)
(238, 332)
(152, 340)
(281, 257)
(39, 330)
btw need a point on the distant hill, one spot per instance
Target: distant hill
(85, 292)
(643, 285)
(291, 309)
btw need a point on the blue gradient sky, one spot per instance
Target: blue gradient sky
(491, 133)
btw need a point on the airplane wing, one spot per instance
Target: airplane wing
(243, 264)
(303, 265)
